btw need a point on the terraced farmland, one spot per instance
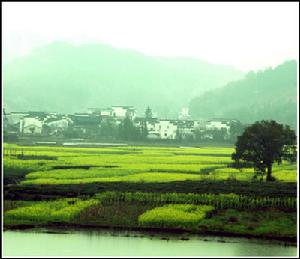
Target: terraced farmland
(67, 165)
(193, 189)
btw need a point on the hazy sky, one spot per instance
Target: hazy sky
(248, 36)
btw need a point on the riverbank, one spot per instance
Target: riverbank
(265, 223)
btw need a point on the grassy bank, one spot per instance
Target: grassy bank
(264, 222)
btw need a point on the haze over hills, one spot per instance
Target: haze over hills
(268, 94)
(65, 78)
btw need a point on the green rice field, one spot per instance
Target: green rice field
(175, 216)
(68, 165)
(42, 212)
(187, 188)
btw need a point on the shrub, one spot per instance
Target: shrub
(174, 216)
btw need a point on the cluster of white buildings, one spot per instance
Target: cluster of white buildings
(115, 111)
(35, 123)
(42, 123)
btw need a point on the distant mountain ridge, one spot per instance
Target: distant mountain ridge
(65, 78)
(268, 94)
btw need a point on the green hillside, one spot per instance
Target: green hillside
(268, 94)
(65, 78)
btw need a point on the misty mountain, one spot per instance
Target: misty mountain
(65, 78)
(268, 94)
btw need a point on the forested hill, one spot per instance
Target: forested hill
(65, 78)
(268, 94)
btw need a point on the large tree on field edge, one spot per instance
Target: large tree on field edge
(264, 143)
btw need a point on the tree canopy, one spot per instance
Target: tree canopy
(264, 143)
(148, 113)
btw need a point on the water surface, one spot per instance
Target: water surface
(124, 243)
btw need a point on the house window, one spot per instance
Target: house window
(166, 134)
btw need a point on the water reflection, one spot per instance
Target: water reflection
(124, 243)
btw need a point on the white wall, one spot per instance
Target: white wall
(63, 124)
(216, 125)
(167, 130)
(26, 124)
(121, 112)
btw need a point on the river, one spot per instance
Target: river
(128, 243)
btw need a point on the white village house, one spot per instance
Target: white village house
(31, 126)
(13, 118)
(123, 111)
(217, 124)
(105, 112)
(167, 129)
(119, 112)
(159, 129)
(58, 125)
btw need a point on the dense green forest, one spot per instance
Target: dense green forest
(268, 94)
(96, 75)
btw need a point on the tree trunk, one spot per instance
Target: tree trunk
(269, 172)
